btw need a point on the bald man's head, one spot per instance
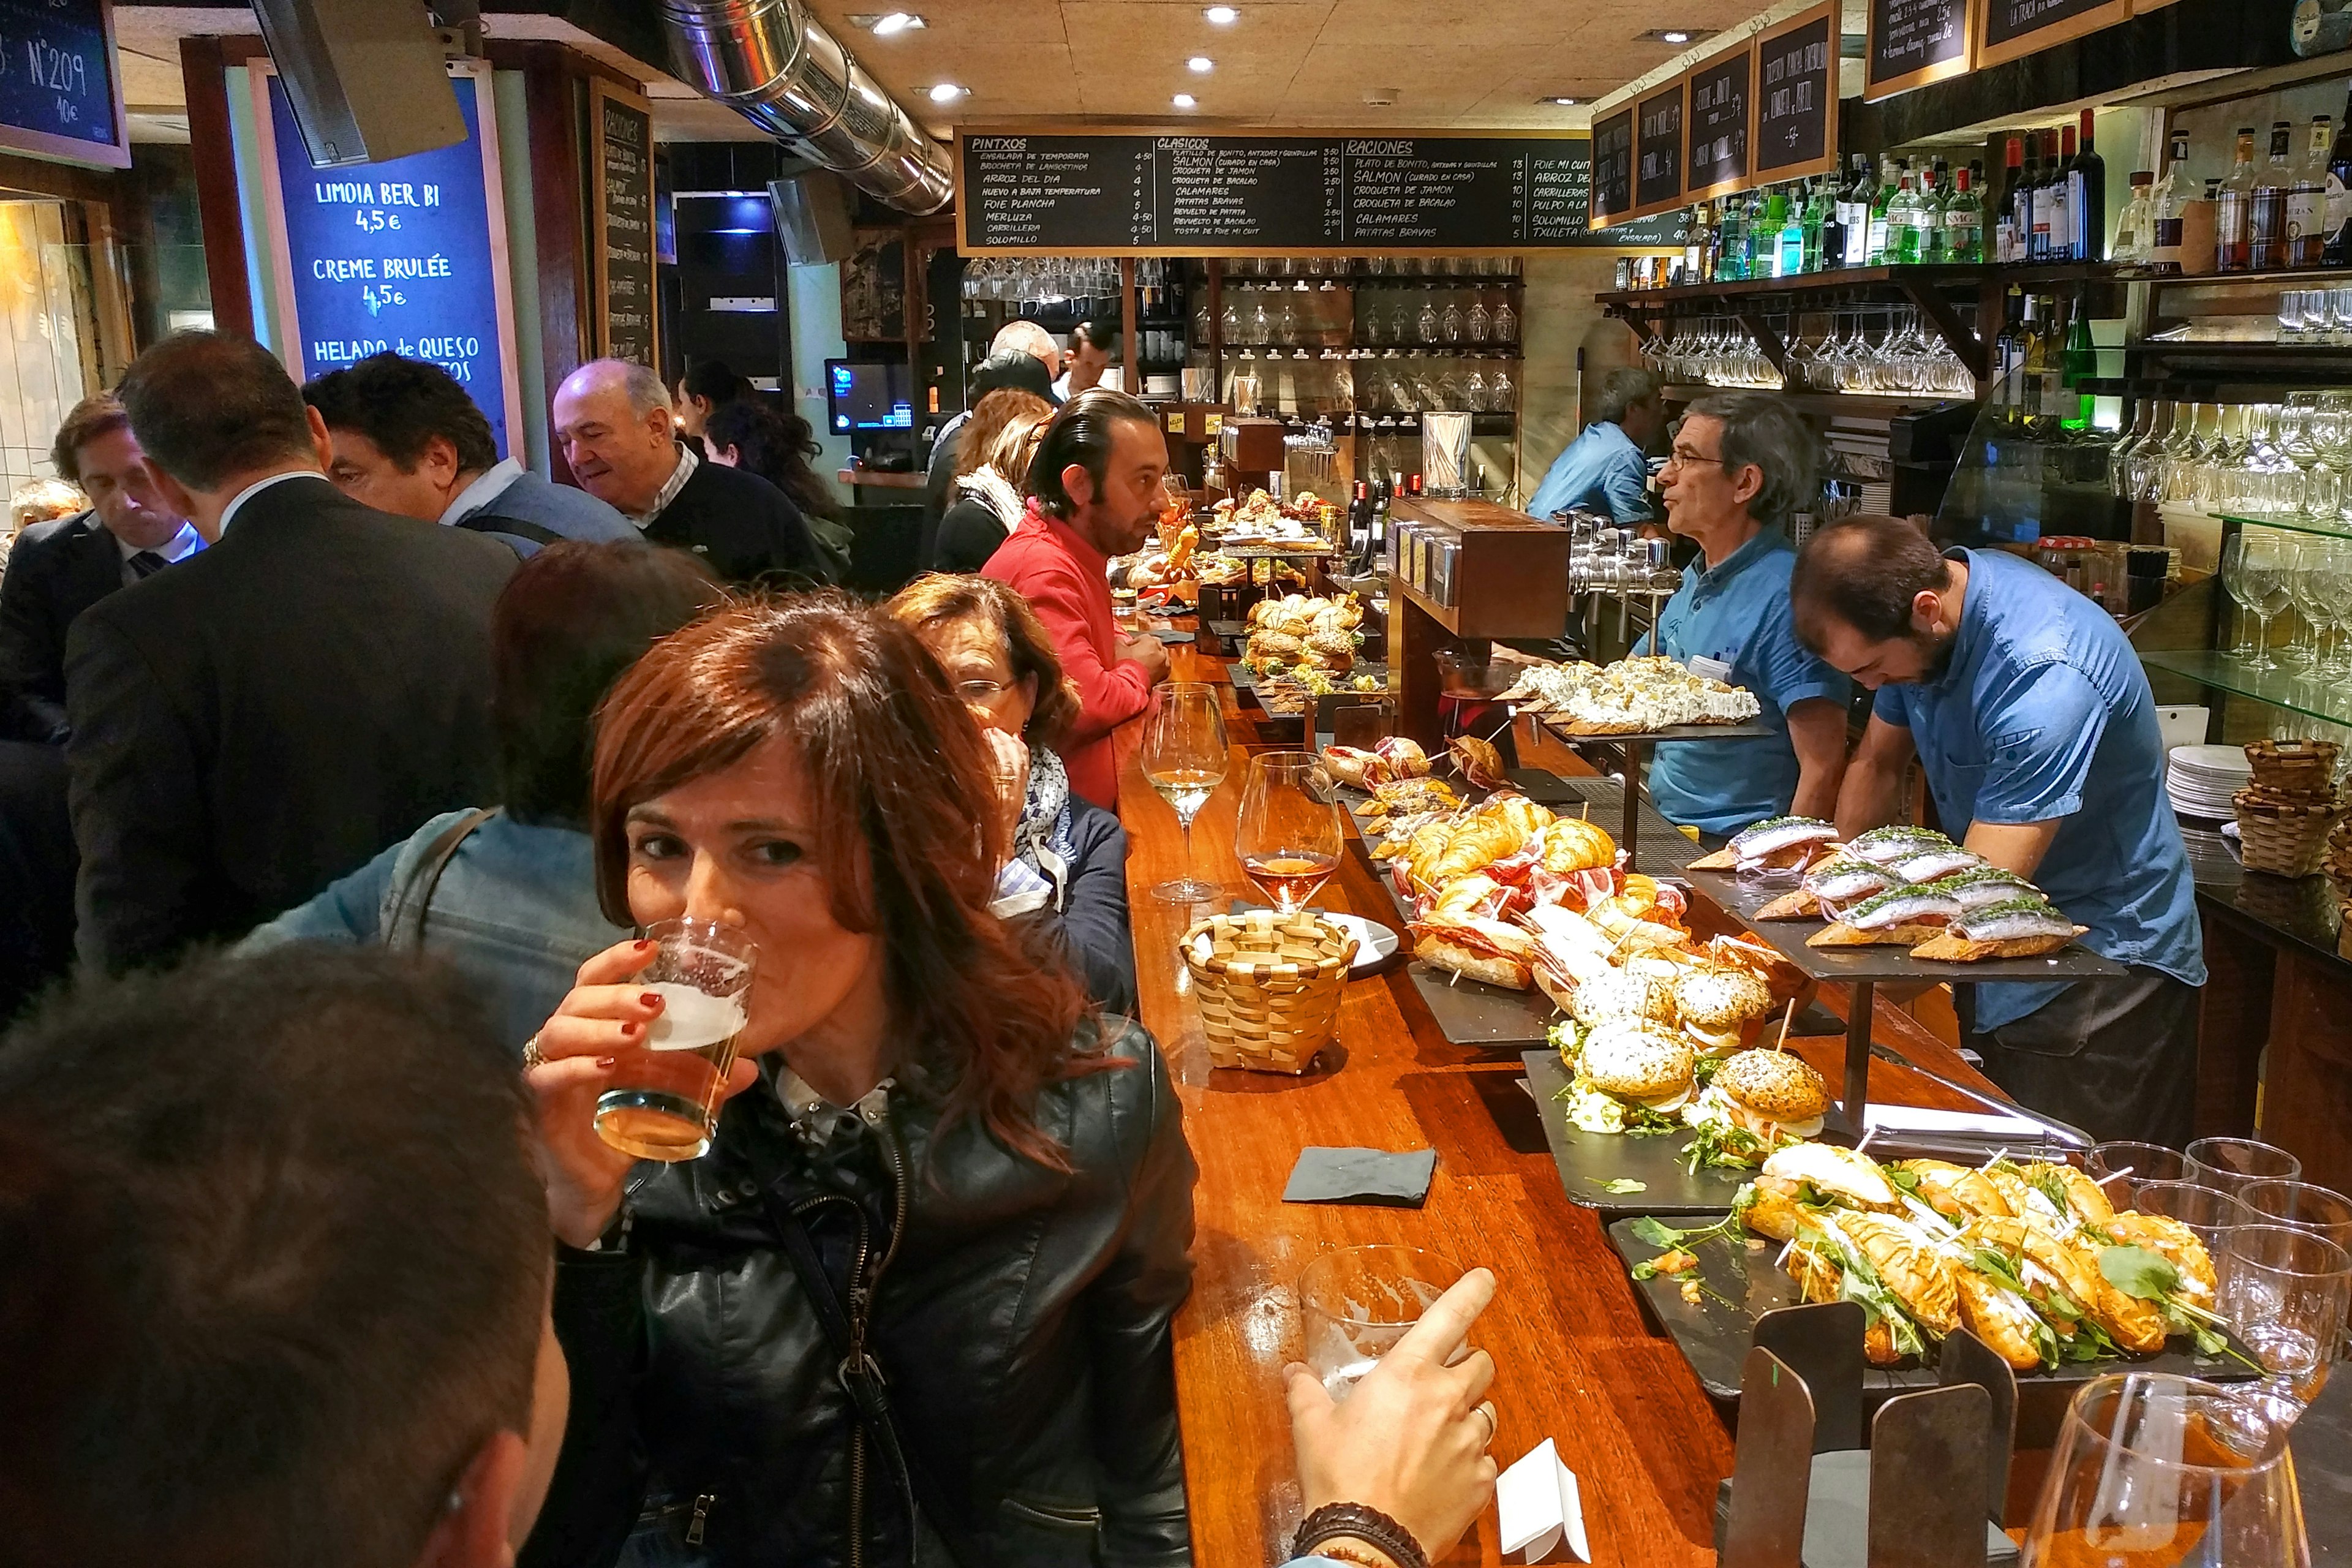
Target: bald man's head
(613, 421)
(1029, 338)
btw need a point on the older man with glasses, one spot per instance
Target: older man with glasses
(1743, 463)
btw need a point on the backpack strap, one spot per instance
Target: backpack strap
(404, 920)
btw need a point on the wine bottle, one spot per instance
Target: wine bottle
(2046, 189)
(2079, 366)
(1854, 214)
(2266, 214)
(2062, 207)
(2165, 201)
(2087, 199)
(2233, 209)
(2306, 200)
(2007, 250)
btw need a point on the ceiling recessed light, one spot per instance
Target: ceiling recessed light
(1201, 64)
(947, 93)
(1184, 100)
(1675, 37)
(1559, 102)
(895, 22)
(1221, 16)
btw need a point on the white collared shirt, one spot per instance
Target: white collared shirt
(229, 512)
(179, 547)
(494, 479)
(687, 463)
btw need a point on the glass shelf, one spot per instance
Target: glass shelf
(2293, 689)
(2331, 527)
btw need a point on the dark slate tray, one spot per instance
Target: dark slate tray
(1557, 728)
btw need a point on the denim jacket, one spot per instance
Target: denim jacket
(515, 911)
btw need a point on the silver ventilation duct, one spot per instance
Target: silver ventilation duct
(776, 65)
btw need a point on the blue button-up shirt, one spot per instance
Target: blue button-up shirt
(1737, 615)
(1602, 470)
(2043, 711)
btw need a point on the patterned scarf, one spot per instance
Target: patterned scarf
(1044, 842)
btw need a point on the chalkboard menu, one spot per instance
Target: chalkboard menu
(408, 255)
(622, 232)
(1658, 150)
(2009, 30)
(1613, 167)
(60, 95)
(1720, 99)
(1915, 42)
(1239, 194)
(1796, 97)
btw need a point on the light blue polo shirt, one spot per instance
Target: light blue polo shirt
(1737, 614)
(1602, 470)
(2044, 711)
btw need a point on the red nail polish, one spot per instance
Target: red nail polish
(632, 1031)
(651, 999)
(645, 944)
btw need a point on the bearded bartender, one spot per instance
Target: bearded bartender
(1743, 463)
(2033, 722)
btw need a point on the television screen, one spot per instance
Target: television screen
(868, 396)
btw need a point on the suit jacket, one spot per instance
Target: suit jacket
(56, 571)
(263, 719)
(744, 527)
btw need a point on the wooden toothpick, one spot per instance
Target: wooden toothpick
(1788, 1017)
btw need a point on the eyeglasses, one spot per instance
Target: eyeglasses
(981, 690)
(1680, 459)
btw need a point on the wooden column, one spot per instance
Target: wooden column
(2307, 1092)
(1134, 361)
(202, 61)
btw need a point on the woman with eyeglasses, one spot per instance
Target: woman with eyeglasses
(1066, 864)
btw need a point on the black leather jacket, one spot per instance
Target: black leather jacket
(1021, 1324)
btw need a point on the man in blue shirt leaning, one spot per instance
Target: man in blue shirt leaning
(2032, 718)
(1604, 470)
(1743, 462)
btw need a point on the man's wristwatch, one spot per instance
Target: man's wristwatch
(1358, 1522)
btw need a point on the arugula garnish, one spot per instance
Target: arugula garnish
(1667, 1239)
(2152, 1277)
(1901, 1180)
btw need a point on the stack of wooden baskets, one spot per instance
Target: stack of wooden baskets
(2286, 814)
(1268, 985)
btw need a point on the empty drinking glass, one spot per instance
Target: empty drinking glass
(2122, 1165)
(2302, 1206)
(1356, 1304)
(2211, 1214)
(2285, 1293)
(2228, 1165)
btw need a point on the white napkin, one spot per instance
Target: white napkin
(1539, 1504)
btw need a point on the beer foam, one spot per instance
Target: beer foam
(692, 1018)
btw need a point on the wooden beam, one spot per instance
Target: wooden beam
(202, 61)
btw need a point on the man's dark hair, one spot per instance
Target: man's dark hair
(99, 415)
(776, 445)
(206, 405)
(402, 403)
(1865, 570)
(1081, 434)
(1013, 368)
(715, 382)
(1094, 335)
(1764, 428)
(569, 620)
(276, 1262)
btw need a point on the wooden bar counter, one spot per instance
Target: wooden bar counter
(1575, 1361)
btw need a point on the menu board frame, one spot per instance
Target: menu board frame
(1990, 52)
(963, 208)
(600, 93)
(1677, 92)
(1960, 64)
(478, 73)
(74, 149)
(1598, 217)
(1759, 173)
(1691, 80)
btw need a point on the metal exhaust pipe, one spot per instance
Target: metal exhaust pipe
(778, 67)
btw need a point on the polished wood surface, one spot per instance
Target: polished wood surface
(1575, 1360)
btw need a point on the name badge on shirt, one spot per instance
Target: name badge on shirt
(1708, 668)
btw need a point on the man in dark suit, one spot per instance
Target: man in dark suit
(613, 419)
(251, 725)
(60, 569)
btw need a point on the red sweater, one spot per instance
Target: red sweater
(1065, 580)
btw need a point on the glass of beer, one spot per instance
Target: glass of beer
(664, 1102)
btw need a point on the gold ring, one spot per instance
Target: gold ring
(531, 1056)
(1486, 1409)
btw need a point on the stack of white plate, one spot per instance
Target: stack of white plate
(2201, 779)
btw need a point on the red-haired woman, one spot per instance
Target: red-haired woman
(919, 1290)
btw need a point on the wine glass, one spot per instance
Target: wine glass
(1185, 758)
(2153, 1469)
(2256, 560)
(2307, 589)
(2284, 1291)
(1288, 837)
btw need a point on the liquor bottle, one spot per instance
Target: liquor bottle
(1833, 230)
(2306, 200)
(2339, 249)
(1789, 258)
(1935, 201)
(2009, 349)
(1698, 249)
(2136, 225)
(2087, 199)
(1854, 212)
(1764, 234)
(1818, 220)
(2033, 365)
(2078, 366)
(2007, 248)
(1874, 246)
(1902, 218)
(2234, 210)
(2164, 202)
(1731, 242)
(1964, 223)
(2266, 214)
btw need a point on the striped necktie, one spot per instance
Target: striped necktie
(147, 562)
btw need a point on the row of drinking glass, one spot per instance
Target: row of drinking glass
(1272, 319)
(2266, 573)
(1904, 357)
(1086, 284)
(2284, 460)
(2316, 316)
(1374, 267)
(1411, 385)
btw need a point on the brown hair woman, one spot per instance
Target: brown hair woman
(919, 1290)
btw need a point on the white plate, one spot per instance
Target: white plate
(1374, 943)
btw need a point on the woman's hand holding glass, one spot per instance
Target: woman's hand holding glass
(582, 1050)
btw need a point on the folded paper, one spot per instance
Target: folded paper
(1541, 1508)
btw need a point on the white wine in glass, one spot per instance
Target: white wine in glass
(1185, 758)
(1288, 837)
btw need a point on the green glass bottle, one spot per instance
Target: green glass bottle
(1819, 206)
(2079, 368)
(1764, 234)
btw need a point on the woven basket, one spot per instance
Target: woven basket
(2297, 767)
(2284, 840)
(1268, 985)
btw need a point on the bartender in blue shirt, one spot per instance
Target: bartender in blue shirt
(1742, 463)
(2032, 718)
(1607, 469)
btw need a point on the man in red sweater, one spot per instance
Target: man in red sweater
(1094, 493)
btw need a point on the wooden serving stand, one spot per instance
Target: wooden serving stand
(1510, 579)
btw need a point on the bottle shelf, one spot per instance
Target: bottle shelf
(1923, 275)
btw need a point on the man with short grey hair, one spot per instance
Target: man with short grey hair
(1605, 469)
(613, 421)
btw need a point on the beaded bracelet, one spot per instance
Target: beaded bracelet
(1366, 1524)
